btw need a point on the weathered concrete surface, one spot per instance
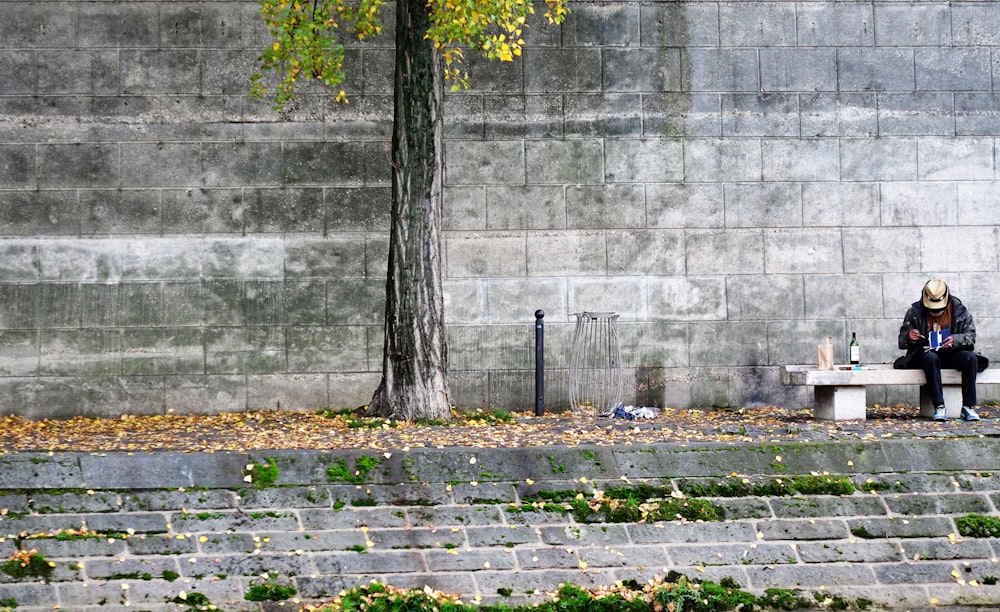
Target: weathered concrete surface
(737, 179)
(173, 522)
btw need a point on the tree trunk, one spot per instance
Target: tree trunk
(415, 360)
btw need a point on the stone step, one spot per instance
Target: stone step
(465, 521)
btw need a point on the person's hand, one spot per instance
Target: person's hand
(915, 335)
(949, 342)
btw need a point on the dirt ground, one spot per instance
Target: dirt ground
(267, 430)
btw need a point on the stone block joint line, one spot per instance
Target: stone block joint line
(900, 524)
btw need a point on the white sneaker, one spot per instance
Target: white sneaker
(940, 414)
(969, 414)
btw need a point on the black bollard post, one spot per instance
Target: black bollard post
(539, 363)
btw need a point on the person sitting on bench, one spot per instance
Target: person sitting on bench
(938, 332)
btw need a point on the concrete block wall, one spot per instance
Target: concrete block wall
(738, 180)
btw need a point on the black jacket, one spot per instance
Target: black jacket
(963, 330)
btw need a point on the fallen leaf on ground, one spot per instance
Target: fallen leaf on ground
(289, 429)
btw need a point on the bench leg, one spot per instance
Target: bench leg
(840, 403)
(952, 401)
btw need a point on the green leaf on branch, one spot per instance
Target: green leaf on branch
(307, 38)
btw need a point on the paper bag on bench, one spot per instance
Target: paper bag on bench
(826, 355)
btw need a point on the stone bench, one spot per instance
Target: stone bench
(840, 393)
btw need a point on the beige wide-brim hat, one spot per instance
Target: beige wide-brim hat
(935, 294)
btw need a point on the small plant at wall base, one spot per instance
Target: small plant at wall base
(744, 487)
(978, 526)
(638, 510)
(674, 593)
(472, 417)
(479, 416)
(262, 475)
(353, 420)
(785, 599)
(643, 503)
(194, 601)
(339, 472)
(270, 590)
(24, 563)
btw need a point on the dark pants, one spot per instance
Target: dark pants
(966, 362)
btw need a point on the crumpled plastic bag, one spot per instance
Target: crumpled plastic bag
(632, 413)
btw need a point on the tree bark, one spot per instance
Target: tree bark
(415, 360)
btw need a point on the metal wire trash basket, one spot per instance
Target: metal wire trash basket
(595, 366)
